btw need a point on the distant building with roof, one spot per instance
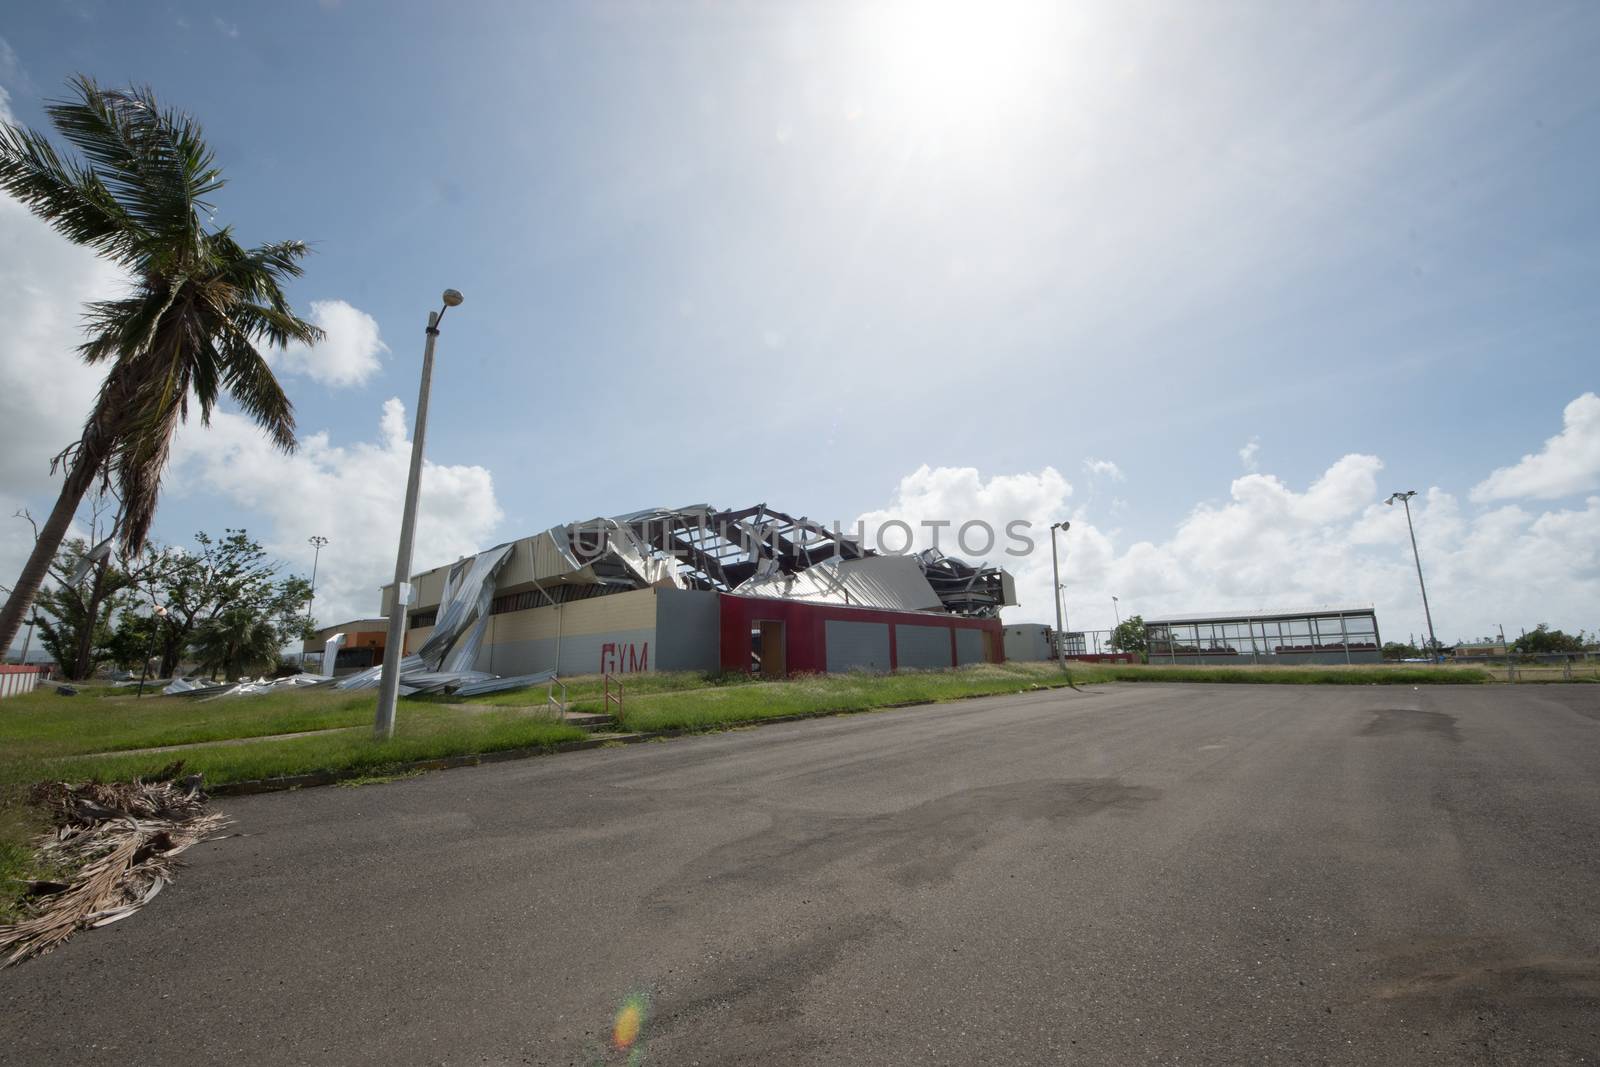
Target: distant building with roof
(1330, 635)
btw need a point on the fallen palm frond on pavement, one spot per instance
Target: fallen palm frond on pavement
(120, 840)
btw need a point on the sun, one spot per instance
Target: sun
(953, 64)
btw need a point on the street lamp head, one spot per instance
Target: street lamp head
(1407, 495)
(452, 298)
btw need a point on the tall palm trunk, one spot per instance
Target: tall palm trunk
(79, 477)
(85, 463)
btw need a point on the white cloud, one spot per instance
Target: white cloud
(351, 495)
(45, 389)
(1271, 545)
(1103, 468)
(347, 355)
(1247, 455)
(958, 495)
(1568, 465)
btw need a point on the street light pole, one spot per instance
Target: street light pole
(1433, 642)
(389, 681)
(1116, 610)
(316, 543)
(1055, 570)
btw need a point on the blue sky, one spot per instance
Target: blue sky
(794, 253)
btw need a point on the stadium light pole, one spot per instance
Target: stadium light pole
(1433, 642)
(1055, 570)
(1115, 609)
(389, 681)
(316, 543)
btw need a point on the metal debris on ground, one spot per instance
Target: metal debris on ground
(201, 689)
(121, 841)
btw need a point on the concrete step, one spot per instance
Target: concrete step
(589, 720)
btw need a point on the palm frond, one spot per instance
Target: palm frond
(125, 328)
(69, 197)
(275, 326)
(253, 386)
(123, 840)
(155, 162)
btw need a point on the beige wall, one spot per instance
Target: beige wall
(634, 610)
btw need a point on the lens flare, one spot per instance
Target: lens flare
(629, 1022)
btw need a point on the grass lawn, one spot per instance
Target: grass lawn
(679, 706)
(43, 724)
(587, 692)
(1356, 674)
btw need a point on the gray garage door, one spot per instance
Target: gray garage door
(921, 646)
(969, 646)
(857, 645)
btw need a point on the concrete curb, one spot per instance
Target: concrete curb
(445, 763)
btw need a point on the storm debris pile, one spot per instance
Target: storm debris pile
(121, 841)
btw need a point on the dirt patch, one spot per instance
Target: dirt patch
(921, 845)
(1504, 1001)
(1392, 722)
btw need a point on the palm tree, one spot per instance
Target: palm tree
(198, 304)
(235, 643)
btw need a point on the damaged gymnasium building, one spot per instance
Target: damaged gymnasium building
(698, 589)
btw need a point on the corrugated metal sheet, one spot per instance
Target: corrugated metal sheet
(891, 583)
(969, 647)
(468, 591)
(1263, 615)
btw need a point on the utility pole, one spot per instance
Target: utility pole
(389, 681)
(1433, 642)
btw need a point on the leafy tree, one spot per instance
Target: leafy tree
(231, 573)
(135, 640)
(1129, 636)
(1397, 650)
(73, 617)
(198, 305)
(1542, 640)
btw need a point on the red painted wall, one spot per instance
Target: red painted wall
(805, 629)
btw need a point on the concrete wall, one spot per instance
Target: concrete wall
(922, 647)
(688, 631)
(609, 634)
(1027, 643)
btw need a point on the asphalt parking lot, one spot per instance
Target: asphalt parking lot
(1132, 874)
